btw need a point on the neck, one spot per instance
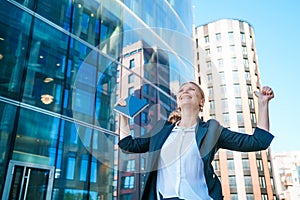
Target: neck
(188, 118)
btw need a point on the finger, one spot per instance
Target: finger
(121, 102)
(257, 93)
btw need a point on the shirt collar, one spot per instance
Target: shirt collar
(184, 128)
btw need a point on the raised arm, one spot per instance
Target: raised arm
(264, 96)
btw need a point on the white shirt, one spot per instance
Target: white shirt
(180, 167)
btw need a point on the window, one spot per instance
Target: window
(71, 166)
(230, 36)
(253, 118)
(146, 74)
(206, 39)
(233, 61)
(197, 43)
(218, 37)
(230, 164)
(264, 197)
(216, 164)
(235, 76)
(262, 182)
(209, 78)
(94, 168)
(232, 181)
(130, 167)
(143, 163)
(207, 51)
(238, 103)
(210, 92)
(128, 182)
(211, 105)
(259, 164)
(241, 129)
(146, 89)
(144, 117)
(131, 78)
(131, 64)
(247, 76)
(225, 104)
(246, 165)
(245, 61)
(249, 197)
(223, 90)
(232, 48)
(249, 89)
(244, 50)
(234, 197)
(130, 91)
(226, 119)
(219, 49)
(222, 77)
(208, 64)
(198, 56)
(251, 104)
(126, 197)
(220, 62)
(240, 118)
(143, 131)
(236, 88)
(243, 37)
(83, 167)
(248, 181)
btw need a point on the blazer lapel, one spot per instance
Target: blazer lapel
(162, 136)
(201, 130)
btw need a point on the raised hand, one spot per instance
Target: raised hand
(265, 95)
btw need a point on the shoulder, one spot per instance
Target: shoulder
(160, 125)
(212, 124)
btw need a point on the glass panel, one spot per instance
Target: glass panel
(80, 82)
(111, 35)
(46, 67)
(14, 31)
(85, 22)
(106, 94)
(36, 138)
(84, 163)
(16, 183)
(7, 118)
(58, 11)
(102, 165)
(38, 183)
(28, 4)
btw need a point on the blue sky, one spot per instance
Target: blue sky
(277, 36)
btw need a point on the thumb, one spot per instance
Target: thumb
(257, 93)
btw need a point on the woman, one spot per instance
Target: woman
(181, 167)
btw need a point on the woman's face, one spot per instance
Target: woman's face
(189, 94)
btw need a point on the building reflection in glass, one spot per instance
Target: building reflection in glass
(63, 64)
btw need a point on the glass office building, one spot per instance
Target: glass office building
(60, 64)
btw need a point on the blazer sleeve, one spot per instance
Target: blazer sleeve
(259, 140)
(134, 145)
(141, 144)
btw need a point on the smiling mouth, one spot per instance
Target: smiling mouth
(185, 97)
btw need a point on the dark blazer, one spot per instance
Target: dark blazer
(210, 136)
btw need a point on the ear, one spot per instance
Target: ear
(202, 101)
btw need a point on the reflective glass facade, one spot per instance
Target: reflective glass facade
(63, 64)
